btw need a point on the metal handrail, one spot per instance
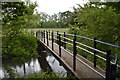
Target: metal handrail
(92, 40)
(91, 48)
(70, 34)
(76, 43)
(55, 35)
(84, 44)
(107, 44)
(85, 50)
(98, 41)
(67, 42)
(56, 39)
(67, 38)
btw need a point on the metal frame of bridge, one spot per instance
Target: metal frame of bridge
(81, 67)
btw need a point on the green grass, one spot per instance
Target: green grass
(51, 29)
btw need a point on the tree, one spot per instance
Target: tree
(107, 4)
(100, 22)
(17, 43)
(66, 18)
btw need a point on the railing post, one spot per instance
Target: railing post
(108, 64)
(113, 68)
(44, 36)
(49, 34)
(95, 52)
(64, 41)
(74, 52)
(57, 37)
(36, 33)
(47, 38)
(52, 40)
(39, 34)
(59, 44)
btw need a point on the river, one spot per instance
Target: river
(45, 62)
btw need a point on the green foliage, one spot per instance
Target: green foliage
(51, 76)
(10, 71)
(115, 5)
(20, 47)
(65, 19)
(43, 20)
(100, 22)
(17, 44)
(95, 22)
(44, 75)
(50, 24)
(51, 29)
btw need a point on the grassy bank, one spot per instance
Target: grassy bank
(51, 29)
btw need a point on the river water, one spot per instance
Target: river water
(45, 62)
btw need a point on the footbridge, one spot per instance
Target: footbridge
(83, 60)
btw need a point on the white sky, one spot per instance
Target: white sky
(54, 6)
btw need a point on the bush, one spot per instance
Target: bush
(20, 47)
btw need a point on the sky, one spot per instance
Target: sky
(55, 6)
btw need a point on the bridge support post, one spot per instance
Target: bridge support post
(57, 37)
(36, 33)
(52, 34)
(59, 45)
(108, 65)
(47, 38)
(95, 58)
(64, 41)
(44, 36)
(113, 71)
(74, 53)
(49, 34)
(41, 35)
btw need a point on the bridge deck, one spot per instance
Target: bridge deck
(84, 68)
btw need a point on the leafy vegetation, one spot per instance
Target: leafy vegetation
(95, 22)
(21, 47)
(17, 43)
(51, 76)
(10, 71)
(48, 29)
(101, 21)
(43, 76)
(43, 20)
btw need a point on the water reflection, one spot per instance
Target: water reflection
(28, 68)
(55, 65)
(46, 62)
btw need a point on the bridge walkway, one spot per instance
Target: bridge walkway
(84, 68)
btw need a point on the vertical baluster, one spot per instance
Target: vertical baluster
(59, 44)
(47, 38)
(64, 41)
(44, 36)
(94, 52)
(74, 52)
(52, 40)
(57, 37)
(108, 65)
